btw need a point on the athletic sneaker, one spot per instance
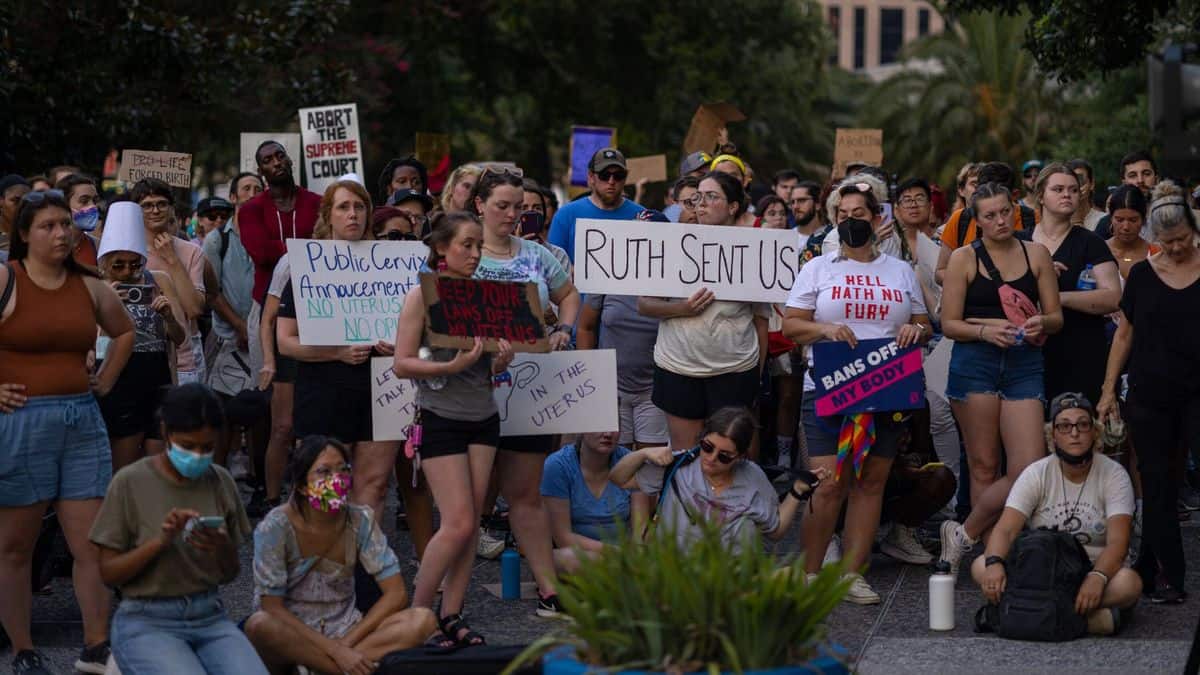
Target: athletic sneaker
(1189, 498)
(29, 662)
(901, 543)
(488, 547)
(860, 592)
(550, 608)
(833, 552)
(810, 578)
(954, 544)
(94, 659)
(1167, 595)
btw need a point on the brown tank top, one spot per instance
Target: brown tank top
(45, 341)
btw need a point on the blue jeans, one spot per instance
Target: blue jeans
(182, 636)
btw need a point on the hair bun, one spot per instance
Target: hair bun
(1167, 188)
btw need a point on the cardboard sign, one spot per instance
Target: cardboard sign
(460, 310)
(707, 123)
(250, 141)
(632, 257)
(393, 401)
(585, 141)
(652, 168)
(857, 145)
(332, 147)
(500, 167)
(876, 375)
(351, 292)
(173, 168)
(559, 393)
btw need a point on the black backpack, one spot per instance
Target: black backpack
(1045, 570)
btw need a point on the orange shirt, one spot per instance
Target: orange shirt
(950, 232)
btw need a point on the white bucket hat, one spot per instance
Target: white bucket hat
(123, 230)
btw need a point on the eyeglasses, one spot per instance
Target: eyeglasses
(40, 196)
(122, 266)
(801, 200)
(723, 457)
(325, 472)
(416, 218)
(160, 205)
(1082, 426)
(397, 235)
(608, 176)
(920, 200)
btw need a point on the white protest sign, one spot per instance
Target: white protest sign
(393, 401)
(331, 144)
(559, 393)
(351, 292)
(252, 139)
(173, 168)
(633, 257)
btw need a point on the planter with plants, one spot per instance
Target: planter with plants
(655, 606)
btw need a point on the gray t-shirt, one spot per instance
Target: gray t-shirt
(235, 271)
(745, 508)
(465, 396)
(632, 335)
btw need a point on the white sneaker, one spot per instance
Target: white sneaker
(488, 547)
(954, 544)
(810, 578)
(901, 544)
(833, 552)
(860, 592)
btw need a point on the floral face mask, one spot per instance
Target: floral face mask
(329, 494)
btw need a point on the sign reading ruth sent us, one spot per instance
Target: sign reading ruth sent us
(876, 375)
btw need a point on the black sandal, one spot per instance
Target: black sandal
(452, 624)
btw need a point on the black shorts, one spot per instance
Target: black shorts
(132, 406)
(441, 436)
(542, 445)
(285, 368)
(695, 398)
(341, 412)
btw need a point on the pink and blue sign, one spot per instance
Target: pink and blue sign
(876, 375)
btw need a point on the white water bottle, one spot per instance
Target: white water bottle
(941, 598)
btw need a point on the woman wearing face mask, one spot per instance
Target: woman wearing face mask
(168, 535)
(709, 353)
(1071, 355)
(304, 556)
(150, 299)
(460, 427)
(995, 384)
(456, 196)
(723, 485)
(856, 294)
(535, 202)
(1079, 491)
(498, 198)
(1159, 338)
(84, 201)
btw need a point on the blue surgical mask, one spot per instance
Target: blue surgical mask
(190, 465)
(87, 219)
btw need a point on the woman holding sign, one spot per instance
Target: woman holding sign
(855, 294)
(995, 383)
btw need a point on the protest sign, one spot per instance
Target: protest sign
(632, 257)
(351, 292)
(856, 145)
(559, 393)
(585, 141)
(876, 375)
(250, 141)
(332, 147)
(459, 310)
(707, 123)
(499, 167)
(393, 401)
(173, 168)
(652, 168)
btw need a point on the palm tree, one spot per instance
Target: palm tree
(972, 93)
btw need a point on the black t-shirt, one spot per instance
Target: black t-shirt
(324, 373)
(1104, 228)
(1164, 363)
(1075, 357)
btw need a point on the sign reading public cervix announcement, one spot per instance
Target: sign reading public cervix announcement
(876, 375)
(634, 257)
(332, 147)
(351, 292)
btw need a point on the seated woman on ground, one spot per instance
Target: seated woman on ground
(584, 507)
(304, 556)
(1084, 493)
(723, 485)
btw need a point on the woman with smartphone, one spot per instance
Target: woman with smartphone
(151, 301)
(168, 534)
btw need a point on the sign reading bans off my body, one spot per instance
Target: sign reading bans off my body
(633, 257)
(459, 310)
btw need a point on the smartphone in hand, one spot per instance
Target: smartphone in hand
(532, 222)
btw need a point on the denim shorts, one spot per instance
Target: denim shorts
(821, 433)
(1013, 374)
(54, 447)
(187, 634)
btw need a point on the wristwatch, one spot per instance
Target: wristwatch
(994, 560)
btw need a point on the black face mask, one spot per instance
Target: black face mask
(1073, 460)
(855, 232)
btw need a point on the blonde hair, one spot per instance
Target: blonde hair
(456, 177)
(1169, 208)
(1043, 178)
(1097, 441)
(834, 200)
(323, 230)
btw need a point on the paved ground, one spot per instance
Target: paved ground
(892, 637)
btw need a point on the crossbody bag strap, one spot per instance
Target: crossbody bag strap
(8, 289)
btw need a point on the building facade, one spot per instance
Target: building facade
(870, 33)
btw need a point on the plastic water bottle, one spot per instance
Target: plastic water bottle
(1019, 339)
(1087, 280)
(510, 574)
(941, 598)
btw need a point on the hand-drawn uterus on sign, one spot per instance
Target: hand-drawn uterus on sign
(518, 376)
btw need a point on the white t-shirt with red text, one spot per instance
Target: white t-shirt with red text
(873, 299)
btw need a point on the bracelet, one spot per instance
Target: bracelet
(994, 560)
(980, 338)
(1100, 574)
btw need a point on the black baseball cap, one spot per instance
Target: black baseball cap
(694, 162)
(210, 204)
(408, 194)
(1068, 400)
(605, 158)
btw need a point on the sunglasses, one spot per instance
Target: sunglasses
(397, 235)
(854, 187)
(216, 215)
(607, 176)
(723, 457)
(40, 196)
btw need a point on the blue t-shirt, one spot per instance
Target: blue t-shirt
(591, 517)
(562, 230)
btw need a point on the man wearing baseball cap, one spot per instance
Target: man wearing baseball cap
(606, 179)
(1029, 174)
